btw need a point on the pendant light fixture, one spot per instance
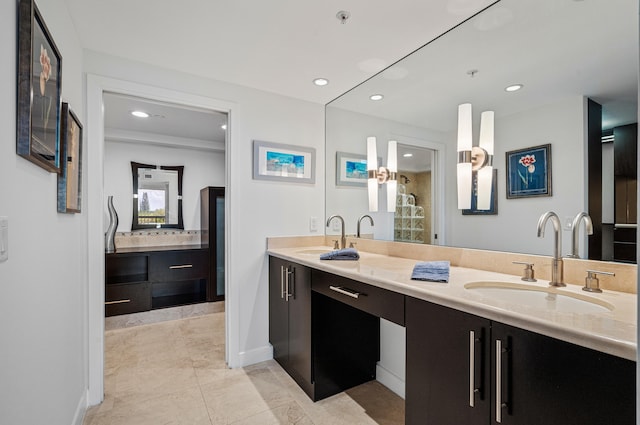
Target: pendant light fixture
(478, 159)
(382, 175)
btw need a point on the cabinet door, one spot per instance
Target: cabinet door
(300, 321)
(543, 380)
(278, 311)
(447, 366)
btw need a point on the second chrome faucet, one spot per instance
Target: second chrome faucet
(556, 267)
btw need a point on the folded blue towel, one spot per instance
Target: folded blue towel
(433, 271)
(341, 254)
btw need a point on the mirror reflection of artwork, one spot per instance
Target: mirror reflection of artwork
(351, 169)
(157, 200)
(529, 172)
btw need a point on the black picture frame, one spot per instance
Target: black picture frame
(39, 100)
(529, 172)
(70, 176)
(474, 197)
(136, 219)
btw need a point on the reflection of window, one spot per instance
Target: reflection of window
(152, 207)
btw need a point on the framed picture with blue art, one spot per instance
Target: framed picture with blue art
(529, 172)
(493, 209)
(278, 162)
(351, 169)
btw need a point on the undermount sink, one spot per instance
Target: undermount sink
(313, 251)
(547, 298)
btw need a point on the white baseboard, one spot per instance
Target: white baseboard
(389, 380)
(81, 409)
(256, 355)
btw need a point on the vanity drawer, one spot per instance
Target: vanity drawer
(123, 298)
(178, 265)
(377, 301)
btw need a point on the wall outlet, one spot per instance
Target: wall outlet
(313, 224)
(335, 225)
(4, 239)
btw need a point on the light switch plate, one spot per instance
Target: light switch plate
(4, 239)
(313, 224)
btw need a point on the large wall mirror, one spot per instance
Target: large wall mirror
(563, 53)
(157, 196)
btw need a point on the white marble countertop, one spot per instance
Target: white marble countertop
(610, 331)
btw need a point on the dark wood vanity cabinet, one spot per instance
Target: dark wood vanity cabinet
(140, 280)
(326, 346)
(510, 375)
(290, 319)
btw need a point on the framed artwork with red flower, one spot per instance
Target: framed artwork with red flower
(39, 90)
(529, 172)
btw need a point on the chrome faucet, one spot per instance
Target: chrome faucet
(360, 220)
(556, 267)
(575, 230)
(343, 239)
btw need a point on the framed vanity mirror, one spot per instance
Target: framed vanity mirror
(157, 196)
(564, 56)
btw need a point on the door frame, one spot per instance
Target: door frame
(96, 86)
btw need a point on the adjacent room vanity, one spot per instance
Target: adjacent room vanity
(470, 358)
(141, 279)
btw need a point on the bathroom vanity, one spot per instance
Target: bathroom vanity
(141, 279)
(470, 358)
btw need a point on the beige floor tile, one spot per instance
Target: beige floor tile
(174, 373)
(290, 414)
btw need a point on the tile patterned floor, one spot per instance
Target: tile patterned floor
(173, 373)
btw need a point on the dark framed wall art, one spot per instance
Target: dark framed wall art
(529, 172)
(70, 176)
(39, 101)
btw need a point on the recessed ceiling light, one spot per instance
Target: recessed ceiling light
(223, 126)
(140, 114)
(407, 155)
(514, 87)
(376, 97)
(320, 81)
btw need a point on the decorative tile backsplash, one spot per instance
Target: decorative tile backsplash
(157, 237)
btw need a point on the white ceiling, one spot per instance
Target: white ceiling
(278, 46)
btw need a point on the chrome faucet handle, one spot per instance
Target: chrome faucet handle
(592, 283)
(336, 245)
(528, 271)
(352, 244)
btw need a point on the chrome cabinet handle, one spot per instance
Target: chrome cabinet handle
(290, 285)
(499, 403)
(282, 282)
(116, 302)
(472, 369)
(182, 266)
(347, 292)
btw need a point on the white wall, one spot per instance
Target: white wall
(201, 169)
(42, 285)
(514, 228)
(257, 209)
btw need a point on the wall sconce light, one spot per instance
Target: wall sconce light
(382, 175)
(472, 159)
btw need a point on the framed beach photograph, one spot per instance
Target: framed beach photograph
(493, 210)
(39, 90)
(278, 162)
(529, 172)
(70, 176)
(351, 169)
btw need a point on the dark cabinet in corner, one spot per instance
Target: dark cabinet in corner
(464, 369)
(212, 205)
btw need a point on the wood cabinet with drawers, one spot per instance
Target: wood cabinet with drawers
(139, 279)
